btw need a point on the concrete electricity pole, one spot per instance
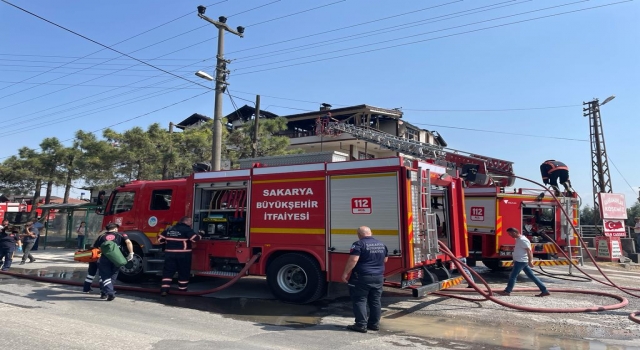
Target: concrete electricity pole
(256, 128)
(221, 83)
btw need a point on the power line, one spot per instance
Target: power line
(490, 110)
(432, 39)
(376, 31)
(341, 28)
(501, 132)
(255, 8)
(133, 118)
(181, 49)
(108, 86)
(624, 178)
(118, 43)
(90, 58)
(100, 44)
(294, 14)
(413, 36)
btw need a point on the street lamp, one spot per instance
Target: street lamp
(220, 80)
(204, 75)
(608, 99)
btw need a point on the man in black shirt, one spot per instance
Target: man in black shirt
(552, 171)
(177, 254)
(108, 270)
(366, 266)
(8, 241)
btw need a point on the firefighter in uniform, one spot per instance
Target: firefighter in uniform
(108, 270)
(177, 254)
(93, 267)
(8, 241)
(552, 171)
(366, 266)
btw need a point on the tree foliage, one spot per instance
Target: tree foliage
(103, 162)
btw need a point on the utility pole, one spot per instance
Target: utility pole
(256, 128)
(221, 83)
(601, 177)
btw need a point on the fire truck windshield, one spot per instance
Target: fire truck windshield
(17, 218)
(120, 202)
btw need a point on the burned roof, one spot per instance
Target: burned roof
(347, 111)
(193, 119)
(246, 112)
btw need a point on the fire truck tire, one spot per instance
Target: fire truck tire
(494, 265)
(296, 278)
(135, 273)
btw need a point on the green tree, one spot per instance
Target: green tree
(587, 215)
(240, 144)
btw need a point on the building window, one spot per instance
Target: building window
(161, 199)
(412, 134)
(362, 155)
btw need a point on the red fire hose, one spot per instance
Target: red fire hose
(488, 296)
(140, 289)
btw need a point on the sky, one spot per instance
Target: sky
(505, 79)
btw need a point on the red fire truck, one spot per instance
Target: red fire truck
(490, 207)
(302, 219)
(491, 210)
(16, 212)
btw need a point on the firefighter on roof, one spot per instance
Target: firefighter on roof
(177, 240)
(552, 171)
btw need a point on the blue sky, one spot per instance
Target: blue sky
(563, 60)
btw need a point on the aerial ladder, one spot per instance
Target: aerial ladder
(475, 169)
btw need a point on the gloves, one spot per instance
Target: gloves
(130, 257)
(20, 248)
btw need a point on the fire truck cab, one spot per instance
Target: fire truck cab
(300, 213)
(491, 210)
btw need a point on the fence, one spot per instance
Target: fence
(590, 231)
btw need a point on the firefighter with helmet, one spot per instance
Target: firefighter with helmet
(177, 240)
(552, 171)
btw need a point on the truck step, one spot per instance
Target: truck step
(560, 262)
(216, 273)
(155, 261)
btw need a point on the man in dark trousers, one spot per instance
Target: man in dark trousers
(177, 254)
(108, 270)
(93, 266)
(366, 266)
(552, 171)
(9, 239)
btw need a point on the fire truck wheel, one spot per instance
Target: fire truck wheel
(135, 273)
(296, 278)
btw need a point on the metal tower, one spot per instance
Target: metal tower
(599, 162)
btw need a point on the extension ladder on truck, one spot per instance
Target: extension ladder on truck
(475, 168)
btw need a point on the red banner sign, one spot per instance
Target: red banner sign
(612, 206)
(293, 204)
(614, 228)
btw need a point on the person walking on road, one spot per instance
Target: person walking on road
(522, 261)
(366, 269)
(177, 254)
(108, 270)
(28, 240)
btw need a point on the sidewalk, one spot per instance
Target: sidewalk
(50, 257)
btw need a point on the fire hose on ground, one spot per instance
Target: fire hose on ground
(488, 295)
(141, 289)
